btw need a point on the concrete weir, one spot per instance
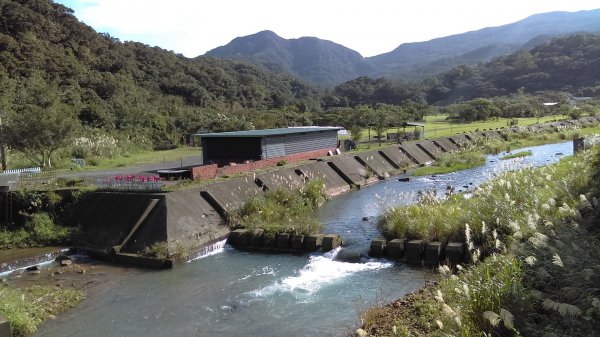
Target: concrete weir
(416, 154)
(376, 163)
(334, 184)
(445, 144)
(460, 140)
(286, 178)
(430, 148)
(352, 171)
(396, 157)
(228, 196)
(119, 226)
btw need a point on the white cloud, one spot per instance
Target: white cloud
(192, 27)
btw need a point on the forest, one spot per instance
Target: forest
(62, 83)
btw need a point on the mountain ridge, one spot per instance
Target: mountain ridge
(332, 63)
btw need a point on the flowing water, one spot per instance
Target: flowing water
(233, 293)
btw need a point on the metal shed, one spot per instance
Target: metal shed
(241, 146)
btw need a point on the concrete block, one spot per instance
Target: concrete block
(5, 330)
(455, 252)
(283, 241)
(331, 242)
(297, 242)
(377, 247)
(269, 240)
(396, 157)
(395, 248)
(416, 154)
(414, 251)
(239, 237)
(434, 253)
(255, 237)
(313, 242)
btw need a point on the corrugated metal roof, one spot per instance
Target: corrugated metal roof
(267, 132)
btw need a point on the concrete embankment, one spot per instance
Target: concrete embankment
(121, 225)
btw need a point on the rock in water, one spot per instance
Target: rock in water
(360, 333)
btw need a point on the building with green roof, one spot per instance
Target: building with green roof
(241, 146)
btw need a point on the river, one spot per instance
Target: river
(235, 293)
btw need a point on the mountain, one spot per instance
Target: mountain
(318, 61)
(50, 59)
(421, 59)
(327, 63)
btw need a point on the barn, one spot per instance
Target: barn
(241, 146)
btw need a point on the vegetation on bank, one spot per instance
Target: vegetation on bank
(283, 210)
(462, 159)
(37, 219)
(27, 307)
(519, 154)
(538, 229)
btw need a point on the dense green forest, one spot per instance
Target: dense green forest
(65, 87)
(568, 64)
(50, 60)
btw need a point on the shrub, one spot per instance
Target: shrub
(282, 210)
(282, 163)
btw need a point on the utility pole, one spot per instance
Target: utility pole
(2, 153)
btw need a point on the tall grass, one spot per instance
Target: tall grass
(513, 203)
(543, 272)
(282, 210)
(454, 161)
(26, 308)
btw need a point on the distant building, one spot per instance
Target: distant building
(242, 146)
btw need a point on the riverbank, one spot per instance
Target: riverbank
(541, 268)
(30, 297)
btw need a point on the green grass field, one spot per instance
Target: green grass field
(438, 126)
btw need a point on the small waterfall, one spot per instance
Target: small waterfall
(212, 249)
(7, 268)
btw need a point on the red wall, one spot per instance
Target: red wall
(213, 171)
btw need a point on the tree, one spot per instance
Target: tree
(380, 123)
(40, 124)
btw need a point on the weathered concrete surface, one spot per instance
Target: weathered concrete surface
(396, 157)
(454, 252)
(445, 144)
(313, 242)
(286, 178)
(374, 161)
(142, 261)
(331, 242)
(395, 248)
(230, 195)
(239, 237)
(191, 222)
(5, 330)
(416, 154)
(352, 171)
(460, 140)
(107, 218)
(297, 242)
(434, 253)
(377, 247)
(283, 241)
(430, 148)
(414, 251)
(334, 184)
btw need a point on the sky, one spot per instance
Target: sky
(371, 27)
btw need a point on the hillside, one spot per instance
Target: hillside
(48, 57)
(569, 64)
(328, 64)
(318, 61)
(423, 59)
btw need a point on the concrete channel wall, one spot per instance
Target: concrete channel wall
(118, 225)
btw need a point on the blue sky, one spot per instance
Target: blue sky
(192, 27)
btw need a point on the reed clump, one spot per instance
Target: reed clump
(283, 210)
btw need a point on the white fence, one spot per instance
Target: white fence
(23, 170)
